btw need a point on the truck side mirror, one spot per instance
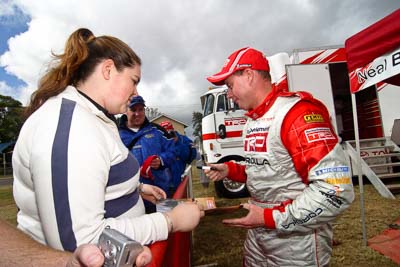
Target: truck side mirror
(222, 131)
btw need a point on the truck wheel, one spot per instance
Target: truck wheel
(230, 189)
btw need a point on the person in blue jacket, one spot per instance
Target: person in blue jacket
(185, 153)
(150, 145)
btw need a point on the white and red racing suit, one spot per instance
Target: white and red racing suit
(296, 169)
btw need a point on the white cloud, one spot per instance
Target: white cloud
(180, 41)
(5, 89)
(6, 8)
(21, 94)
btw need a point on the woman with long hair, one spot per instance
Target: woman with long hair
(72, 174)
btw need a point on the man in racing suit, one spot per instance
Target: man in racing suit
(295, 170)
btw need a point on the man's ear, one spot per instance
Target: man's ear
(106, 67)
(249, 75)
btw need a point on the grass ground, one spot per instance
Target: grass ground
(221, 245)
(218, 245)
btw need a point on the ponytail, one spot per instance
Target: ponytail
(82, 52)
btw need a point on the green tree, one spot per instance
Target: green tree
(196, 120)
(11, 118)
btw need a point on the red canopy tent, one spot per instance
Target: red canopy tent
(373, 56)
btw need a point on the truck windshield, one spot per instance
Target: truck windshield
(221, 103)
(209, 107)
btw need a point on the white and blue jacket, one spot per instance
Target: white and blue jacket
(73, 177)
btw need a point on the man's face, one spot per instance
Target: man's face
(136, 116)
(239, 89)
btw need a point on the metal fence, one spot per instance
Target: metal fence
(6, 164)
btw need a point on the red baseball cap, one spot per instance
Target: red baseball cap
(243, 58)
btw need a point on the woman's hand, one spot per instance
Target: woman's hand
(152, 193)
(185, 217)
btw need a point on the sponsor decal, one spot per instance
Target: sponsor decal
(373, 70)
(226, 62)
(341, 180)
(332, 199)
(309, 118)
(332, 169)
(308, 217)
(318, 134)
(256, 139)
(335, 191)
(267, 119)
(234, 121)
(243, 66)
(256, 143)
(376, 71)
(258, 130)
(256, 161)
(149, 136)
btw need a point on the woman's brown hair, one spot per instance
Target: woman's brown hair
(83, 51)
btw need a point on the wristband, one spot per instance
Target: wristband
(140, 188)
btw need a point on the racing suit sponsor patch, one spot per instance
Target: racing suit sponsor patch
(332, 169)
(332, 199)
(309, 118)
(340, 180)
(256, 161)
(308, 217)
(335, 191)
(318, 134)
(256, 142)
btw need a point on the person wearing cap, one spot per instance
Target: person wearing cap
(185, 153)
(151, 146)
(295, 170)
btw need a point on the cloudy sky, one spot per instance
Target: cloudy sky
(179, 41)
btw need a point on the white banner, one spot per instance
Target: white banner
(378, 70)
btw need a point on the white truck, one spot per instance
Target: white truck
(320, 71)
(222, 126)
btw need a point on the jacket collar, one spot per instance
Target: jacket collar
(265, 105)
(99, 107)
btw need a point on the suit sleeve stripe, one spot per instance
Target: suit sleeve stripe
(59, 172)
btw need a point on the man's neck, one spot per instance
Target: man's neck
(260, 94)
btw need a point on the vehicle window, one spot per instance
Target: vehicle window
(208, 109)
(221, 103)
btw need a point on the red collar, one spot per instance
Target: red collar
(265, 105)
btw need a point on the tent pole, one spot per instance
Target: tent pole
(4, 164)
(359, 169)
